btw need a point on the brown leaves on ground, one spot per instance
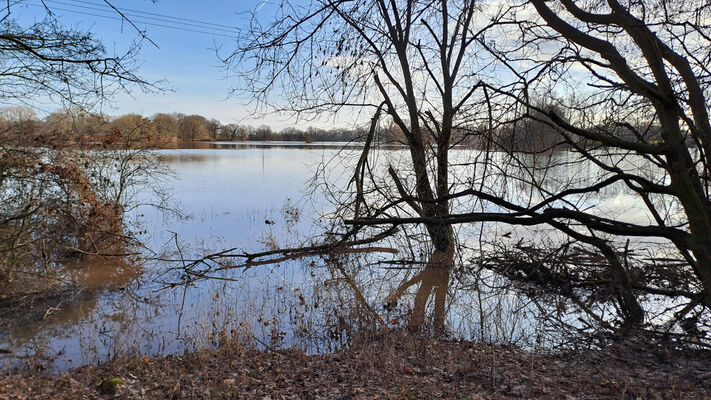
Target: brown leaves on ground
(395, 368)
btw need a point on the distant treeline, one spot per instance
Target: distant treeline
(22, 123)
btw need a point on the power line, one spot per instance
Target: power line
(158, 15)
(180, 28)
(147, 15)
(144, 19)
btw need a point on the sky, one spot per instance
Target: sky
(186, 34)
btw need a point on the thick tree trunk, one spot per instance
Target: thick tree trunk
(690, 191)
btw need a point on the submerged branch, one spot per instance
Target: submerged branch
(212, 262)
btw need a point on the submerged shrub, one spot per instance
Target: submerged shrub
(63, 198)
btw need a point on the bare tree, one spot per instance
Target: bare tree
(52, 209)
(193, 127)
(233, 132)
(633, 105)
(67, 64)
(407, 63)
(622, 86)
(166, 125)
(21, 120)
(140, 126)
(213, 127)
(76, 120)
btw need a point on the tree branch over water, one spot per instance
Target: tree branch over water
(562, 105)
(207, 266)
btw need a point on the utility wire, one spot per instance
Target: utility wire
(154, 14)
(138, 14)
(180, 28)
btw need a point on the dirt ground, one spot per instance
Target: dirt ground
(399, 367)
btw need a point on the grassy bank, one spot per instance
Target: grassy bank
(400, 367)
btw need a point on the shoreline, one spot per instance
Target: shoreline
(395, 367)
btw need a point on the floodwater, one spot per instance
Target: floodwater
(249, 197)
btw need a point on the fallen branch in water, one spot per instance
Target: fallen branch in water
(213, 263)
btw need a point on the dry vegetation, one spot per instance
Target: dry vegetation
(64, 201)
(396, 367)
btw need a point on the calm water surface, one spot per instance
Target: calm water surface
(230, 195)
(252, 197)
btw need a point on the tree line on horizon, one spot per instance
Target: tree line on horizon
(21, 124)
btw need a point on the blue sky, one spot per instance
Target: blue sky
(184, 58)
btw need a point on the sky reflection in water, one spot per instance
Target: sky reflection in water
(228, 192)
(227, 195)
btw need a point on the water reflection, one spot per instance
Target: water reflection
(228, 197)
(247, 145)
(251, 196)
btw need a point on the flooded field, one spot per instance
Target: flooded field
(249, 197)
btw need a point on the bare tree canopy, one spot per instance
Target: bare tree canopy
(560, 100)
(408, 63)
(47, 59)
(627, 86)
